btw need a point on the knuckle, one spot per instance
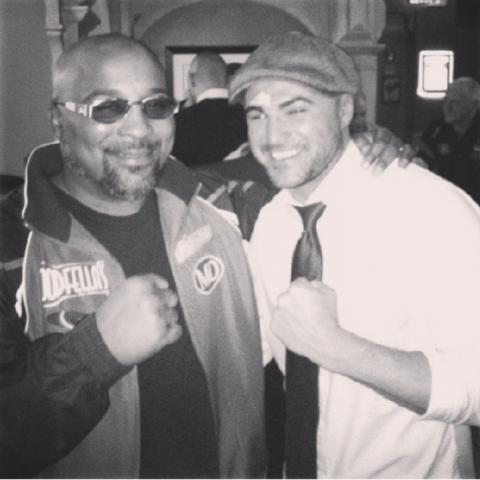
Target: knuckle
(138, 284)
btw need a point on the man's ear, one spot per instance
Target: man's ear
(345, 109)
(56, 119)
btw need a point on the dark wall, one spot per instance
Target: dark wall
(408, 30)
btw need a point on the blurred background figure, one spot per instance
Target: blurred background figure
(451, 145)
(210, 129)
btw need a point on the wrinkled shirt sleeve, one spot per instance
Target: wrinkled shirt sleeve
(450, 303)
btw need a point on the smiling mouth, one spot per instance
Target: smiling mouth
(281, 155)
(134, 157)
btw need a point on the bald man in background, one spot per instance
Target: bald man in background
(210, 129)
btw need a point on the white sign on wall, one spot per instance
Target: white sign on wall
(435, 72)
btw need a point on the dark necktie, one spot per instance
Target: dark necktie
(301, 374)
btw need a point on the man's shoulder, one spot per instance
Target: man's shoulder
(415, 192)
(13, 232)
(213, 181)
(243, 198)
(209, 106)
(436, 127)
(476, 123)
(243, 168)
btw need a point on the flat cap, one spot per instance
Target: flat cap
(312, 61)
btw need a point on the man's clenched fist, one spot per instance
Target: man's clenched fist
(306, 320)
(139, 318)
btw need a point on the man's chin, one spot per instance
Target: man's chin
(283, 181)
(131, 182)
(131, 186)
(130, 192)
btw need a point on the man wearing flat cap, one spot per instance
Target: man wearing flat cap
(370, 283)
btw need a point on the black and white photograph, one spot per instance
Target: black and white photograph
(239, 239)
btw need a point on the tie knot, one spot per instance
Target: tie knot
(310, 214)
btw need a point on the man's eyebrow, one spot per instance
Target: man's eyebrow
(117, 94)
(293, 100)
(284, 104)
(256, 108)
(101, 93)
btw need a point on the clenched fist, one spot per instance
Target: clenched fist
(139, 318)
(305, 320)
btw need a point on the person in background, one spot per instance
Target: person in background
(371, 294)
(208, 130)
(451, 145)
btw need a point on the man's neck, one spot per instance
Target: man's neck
(302, 193)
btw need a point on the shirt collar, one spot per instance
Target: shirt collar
(341, 178)
(213, 93)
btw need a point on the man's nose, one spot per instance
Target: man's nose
(277, 130)
(135, 123)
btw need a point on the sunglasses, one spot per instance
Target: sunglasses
(113, 109)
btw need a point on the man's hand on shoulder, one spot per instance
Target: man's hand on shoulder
(381, 147)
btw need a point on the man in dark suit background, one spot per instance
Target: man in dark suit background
(210, 129)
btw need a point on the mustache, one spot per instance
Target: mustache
(148, 146)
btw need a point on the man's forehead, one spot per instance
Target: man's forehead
(261, 98)
(268, 92)
(119, 72)
(457, 90)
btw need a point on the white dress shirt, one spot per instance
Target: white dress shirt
(402, 252)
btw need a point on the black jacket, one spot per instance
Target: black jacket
(208, 131)
(56, 387)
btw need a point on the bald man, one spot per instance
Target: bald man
(134, 350)
(209, 130)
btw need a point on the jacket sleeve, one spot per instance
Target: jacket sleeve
(245, 198)
(248, 198)
(53, 390)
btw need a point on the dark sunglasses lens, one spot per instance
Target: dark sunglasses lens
(110, 111)
(159, 107)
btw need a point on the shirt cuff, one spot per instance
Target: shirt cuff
(94, 354)
(455, 387)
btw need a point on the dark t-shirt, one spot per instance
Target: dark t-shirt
(177, 438)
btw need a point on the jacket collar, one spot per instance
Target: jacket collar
(43, 210)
